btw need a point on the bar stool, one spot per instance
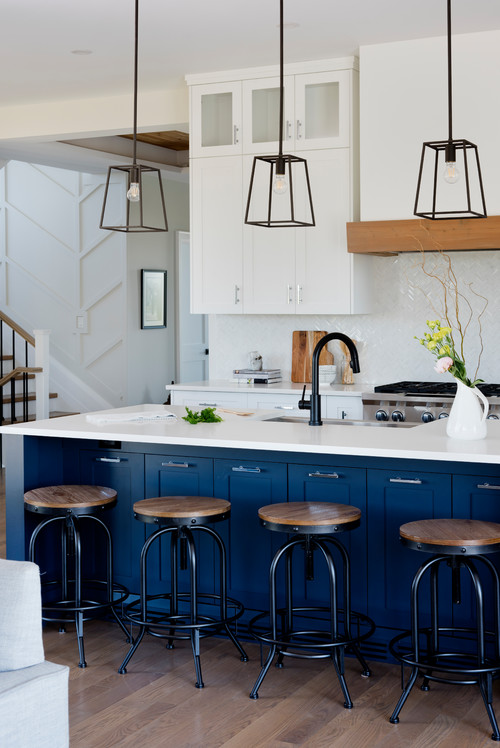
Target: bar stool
(179, 517)
(459, 544)
(315, 524)
(70, 505)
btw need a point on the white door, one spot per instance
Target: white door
(192, 329)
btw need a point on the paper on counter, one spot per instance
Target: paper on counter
(139, 417)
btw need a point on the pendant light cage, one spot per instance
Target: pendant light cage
(279, 194)
(146, 211)
(147, 214)
(294, 208)
(449, 169)
(465, 199)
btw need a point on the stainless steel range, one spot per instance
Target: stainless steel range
(415, 402)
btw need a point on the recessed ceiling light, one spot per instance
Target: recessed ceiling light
(81, 51)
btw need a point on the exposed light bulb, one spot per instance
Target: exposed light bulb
(451, 173)
(280, 185)
(133, 192)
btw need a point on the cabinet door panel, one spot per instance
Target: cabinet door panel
(476, 497)
(343, 486)
(248, 486)
(216, 119)
(261, 115)
(124, 472)
(322, 110)
(216, 235)
(173, 475)
(395, 498)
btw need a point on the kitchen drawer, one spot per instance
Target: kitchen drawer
(204, 399)
(283, 404)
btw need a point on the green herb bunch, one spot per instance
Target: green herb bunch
(207, 415)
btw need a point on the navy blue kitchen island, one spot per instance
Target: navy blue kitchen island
(252, 464)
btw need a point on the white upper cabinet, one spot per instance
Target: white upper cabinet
(237, 268)
(215, 128)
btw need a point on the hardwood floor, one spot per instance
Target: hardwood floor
(156, 704)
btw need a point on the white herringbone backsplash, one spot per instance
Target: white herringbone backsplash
(385, 338)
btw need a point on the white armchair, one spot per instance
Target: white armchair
(33, 692)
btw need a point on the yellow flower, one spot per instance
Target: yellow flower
(446, 331)
(431, 323)
(431, 345)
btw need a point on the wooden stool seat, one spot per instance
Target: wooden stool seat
(309, 517)
(68, 497)
(181, 510)
(470, 536)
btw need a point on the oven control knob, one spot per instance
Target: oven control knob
(396, 415)
(427, 417)
(381, 415)
(444, 415)
(492, 417)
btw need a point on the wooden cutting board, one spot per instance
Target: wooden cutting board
(347, 373)
(303, 345)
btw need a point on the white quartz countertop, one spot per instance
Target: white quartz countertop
(425, 441)
(285, 388)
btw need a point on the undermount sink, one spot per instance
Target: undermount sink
(340, 422)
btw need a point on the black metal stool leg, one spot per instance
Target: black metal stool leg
(394, 718)
(433, 636)
(287, 615)
(195, 632)
(123, 667)
(174, 587)
(73, 536)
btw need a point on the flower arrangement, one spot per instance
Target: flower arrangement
(439, 341)
(460, 307)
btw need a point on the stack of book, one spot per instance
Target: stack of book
(264, 376)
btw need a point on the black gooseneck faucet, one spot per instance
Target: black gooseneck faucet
(314, 402)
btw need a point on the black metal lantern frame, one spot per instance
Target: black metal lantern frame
(472, 197)
(134, 216)
(296, 169)
(277, 214)
(440, 152)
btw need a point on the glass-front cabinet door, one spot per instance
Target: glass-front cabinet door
(261, 106)
(322, 106)
(216, 119)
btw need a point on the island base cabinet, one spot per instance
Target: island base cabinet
(250, 547)
(124, 472)
(395, 498)
(343, 486)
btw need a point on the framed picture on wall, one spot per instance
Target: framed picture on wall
(153, 299)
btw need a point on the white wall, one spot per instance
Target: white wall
(151, 353)
(57, 264)
(403, 103)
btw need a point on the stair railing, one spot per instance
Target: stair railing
(12, 339)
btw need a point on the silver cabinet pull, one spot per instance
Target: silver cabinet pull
(236, 130)
(284, 407)
(488, 486)
(299, 129)
(413, 481)
(288, 130)
(299, 294)
(289, 294)
(318, 474)
(109, 459)
(209, 405)
(242, 469)
(236, 294)
(175, 464)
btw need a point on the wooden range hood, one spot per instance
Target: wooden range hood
(386, 238)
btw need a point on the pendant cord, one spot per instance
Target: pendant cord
(136, 50)
(450, 122)
(280, 154)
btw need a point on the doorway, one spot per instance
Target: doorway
(191, 329)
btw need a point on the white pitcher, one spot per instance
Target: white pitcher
(467, 418)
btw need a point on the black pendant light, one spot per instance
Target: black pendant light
(446, 159)
(134, 191)
(279, 195)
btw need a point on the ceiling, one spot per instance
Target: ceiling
(195, 36)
